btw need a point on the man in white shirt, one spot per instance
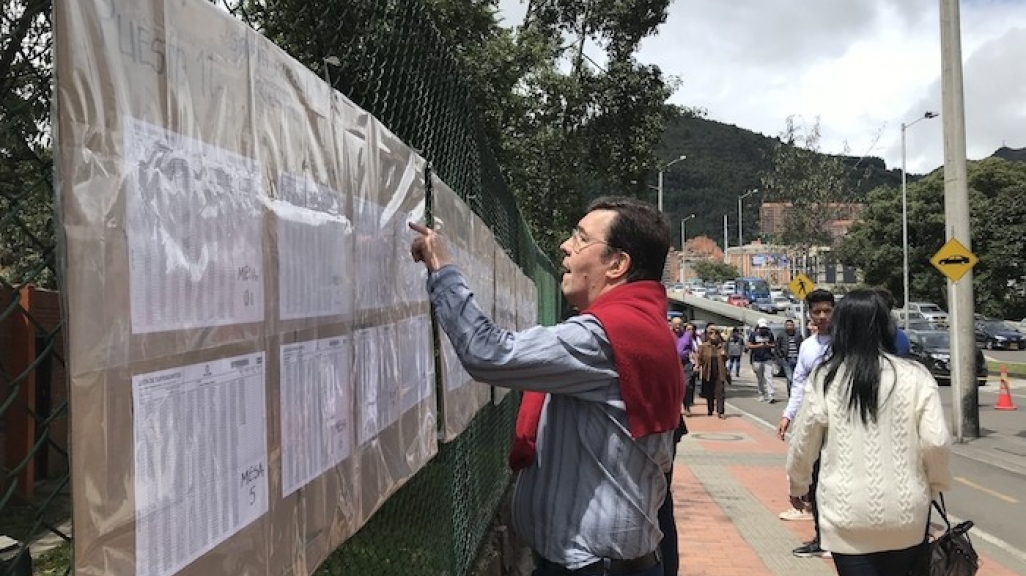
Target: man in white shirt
(810, 355)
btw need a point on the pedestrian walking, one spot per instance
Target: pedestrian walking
(686, 348)
(811, 353)
(735, 348)
(787, 352)
(687, 343)
(874, 423)
(761, 347)
(712, 370)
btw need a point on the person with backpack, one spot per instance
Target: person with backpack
(735, 348)
(787, 351)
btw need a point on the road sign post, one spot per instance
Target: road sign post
(801, 285)
(956, 224)
(954, 260)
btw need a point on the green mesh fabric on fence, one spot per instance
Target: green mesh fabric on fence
(390, 59)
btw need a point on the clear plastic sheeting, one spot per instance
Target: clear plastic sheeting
(527, 302)
(482, 273)
(250, 347)
(506, 272)
(462, 397)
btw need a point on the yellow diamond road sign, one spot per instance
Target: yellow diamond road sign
(800, 286)
(954, 260)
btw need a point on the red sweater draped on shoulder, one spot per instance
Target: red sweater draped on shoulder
(651, 380)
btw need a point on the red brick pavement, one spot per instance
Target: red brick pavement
(708, 543)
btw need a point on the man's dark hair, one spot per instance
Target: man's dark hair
(820, 295)
(639, 230)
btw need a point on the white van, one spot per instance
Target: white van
(931, 312)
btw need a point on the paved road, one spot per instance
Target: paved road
(989, 472)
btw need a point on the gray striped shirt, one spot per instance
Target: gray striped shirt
(593, 491)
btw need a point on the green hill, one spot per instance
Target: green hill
(723, 161)
(1011, 154)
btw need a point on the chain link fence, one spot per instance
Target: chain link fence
(391, 60)
(34, 494)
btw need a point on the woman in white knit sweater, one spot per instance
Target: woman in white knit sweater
(876, 423)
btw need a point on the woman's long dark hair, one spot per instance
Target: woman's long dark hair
(861, 331)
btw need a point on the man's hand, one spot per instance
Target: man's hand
(430, 248)
(782, 427)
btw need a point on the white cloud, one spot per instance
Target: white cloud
(862, 67)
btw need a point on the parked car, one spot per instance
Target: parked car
(932, 348)
(737, 300)
(899, 317)
(995, 335)
(781, 302)
(764, 305)
(920, 325)
(931, 312)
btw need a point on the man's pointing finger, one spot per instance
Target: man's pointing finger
(419, 228)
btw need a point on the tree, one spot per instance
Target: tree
(998, 225)
(560, 127)
(816, 186)
(26, 190)
(715, 270)
(703, 247)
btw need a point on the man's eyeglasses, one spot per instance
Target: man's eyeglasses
(578, 243)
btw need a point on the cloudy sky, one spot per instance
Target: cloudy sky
(862, 66)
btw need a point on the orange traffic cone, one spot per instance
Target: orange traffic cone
(1004, 401)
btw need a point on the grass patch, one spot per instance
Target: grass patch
(56, 562)
(1015, 369)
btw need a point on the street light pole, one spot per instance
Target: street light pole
(683, 237)
(740, 218)
(725, 241)
(663, 169)
(904, 210)
(683, 243)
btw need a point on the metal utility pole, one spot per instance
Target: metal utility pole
(904, 211)
(663, 169)
(683, 246)
(725, 244)
(683, 235)
(740, 218)
(965, 403)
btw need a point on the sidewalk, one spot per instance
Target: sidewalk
(728, 487)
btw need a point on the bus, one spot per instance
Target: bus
(752, 288)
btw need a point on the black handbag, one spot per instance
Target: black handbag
(951, 553)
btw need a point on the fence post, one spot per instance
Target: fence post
(21, 425)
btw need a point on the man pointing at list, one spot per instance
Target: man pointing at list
(603, 392)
